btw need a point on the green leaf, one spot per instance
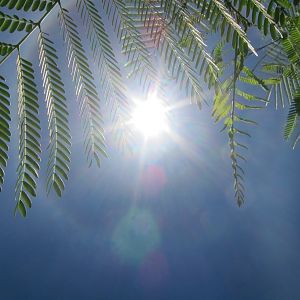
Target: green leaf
(60, 137)
(21, 208)
(4, 123)
(29, 136)
(115, 92)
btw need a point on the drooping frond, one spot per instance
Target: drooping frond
(225, 107)
(29, 137)
(103, 52)
(229, 104)
(110, 75)
(180, 66)
(133, 46)
(86, 90)
(4, 127)
(57, 112)
(292, 126)
(163, 17)
(186, 28)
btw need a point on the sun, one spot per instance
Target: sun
(149, 117)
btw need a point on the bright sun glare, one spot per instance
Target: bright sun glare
(149, 117)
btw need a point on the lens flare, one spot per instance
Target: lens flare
(136, 235)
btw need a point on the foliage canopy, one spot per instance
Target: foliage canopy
(176, 29)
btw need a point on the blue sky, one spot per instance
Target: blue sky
(160, 223)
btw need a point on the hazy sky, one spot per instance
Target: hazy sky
(161, 223)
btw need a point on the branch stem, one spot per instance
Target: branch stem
(36, 25)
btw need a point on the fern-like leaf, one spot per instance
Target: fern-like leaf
(86, 90)
(4, 127)
(60, 138)
(180, 66)
(111, 81)
(133, 46)
(229, 103)
(292, 123)
(177, 61)
(185, 27)
(29, 137)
